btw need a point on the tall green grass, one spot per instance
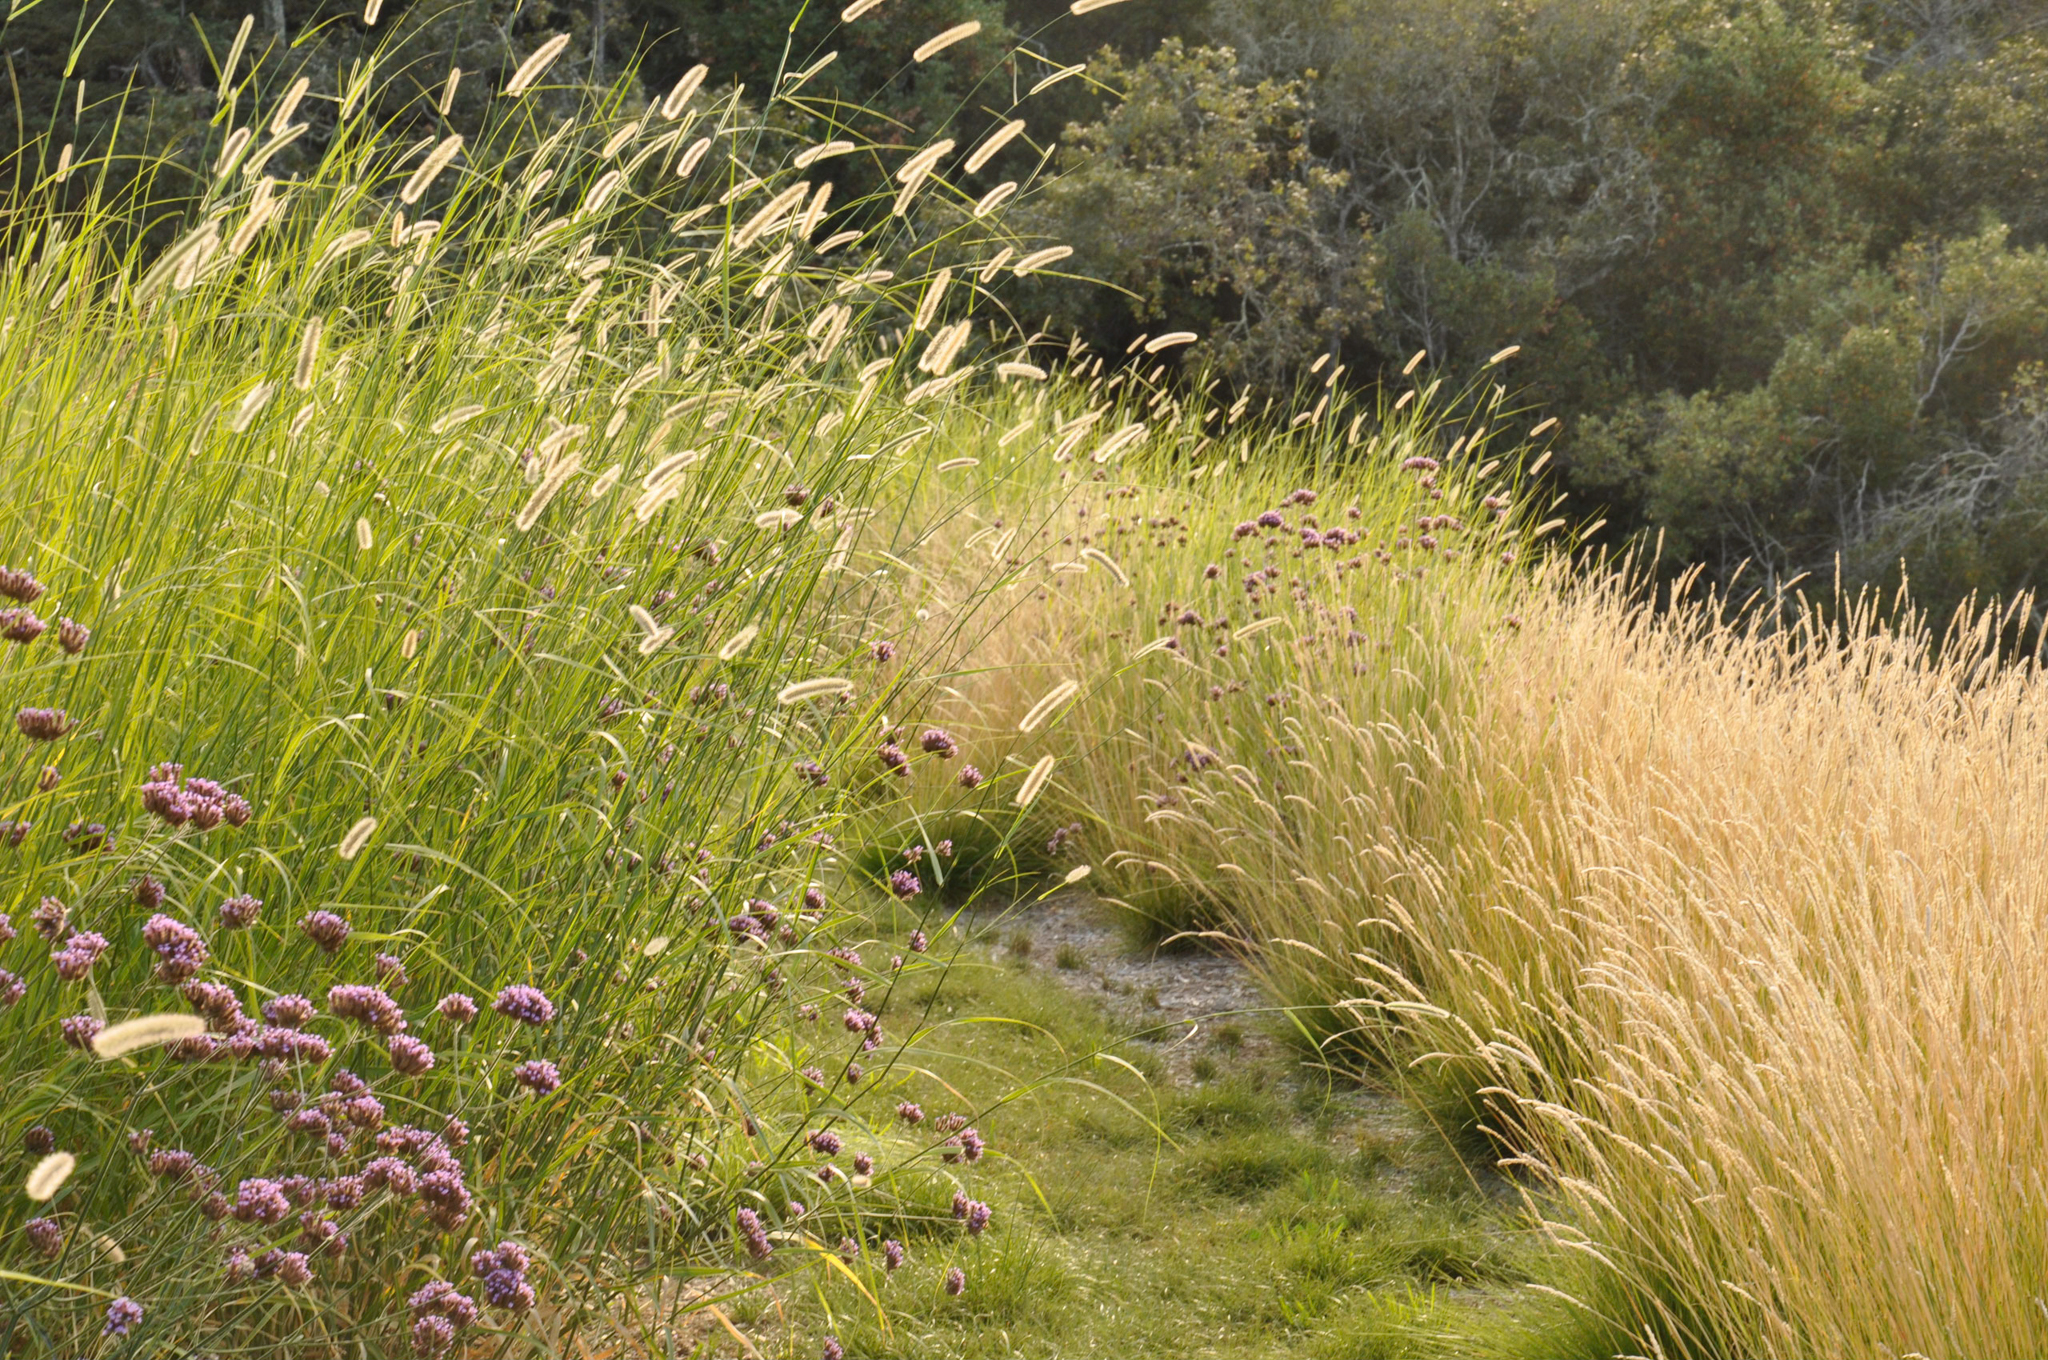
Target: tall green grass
(467, 511)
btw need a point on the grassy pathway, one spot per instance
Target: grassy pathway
(1173, 1196)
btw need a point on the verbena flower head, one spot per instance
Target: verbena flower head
(910, 1113)
(52, 919)
(969, 777)
(409, 1056)
(44, 1236)
(456, 1007)
(72, 636)
(12, 989)
(832, 1350)
(290, 1010)
(240, 912)
(79, 954)
(754, 1235)
(827, 1142)
(524, 1004)
(179, 949)
(122, 1314)
(904, 884)
(325, 929)
(892, 1255)
(20, 585)
(956, 1281)
(390, 970)
(538, 1074)
(508, 1289)
(21, 625)
(371, 1005)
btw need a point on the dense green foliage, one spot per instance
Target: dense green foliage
(1778, 266)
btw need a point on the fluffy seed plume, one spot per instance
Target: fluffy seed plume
(606, 480)
(653, 636)
(1035, 781)
(771, 216)
(1546, 425)
(48, 1176)
(939, 42)
(679, 94)
(1039, 259)
(409, 645)
(955, 464)
(366, 538)
(783, 518)
(1090, 6)
(824, 687)
(934, 294)
(358, 836)
(1510, 352)
(241, 43)
(371, 11)
(437, 160)
(1169, 340)
(1040, 711)
(530, 70)
(448, 90)
(309, 355)
(289, 105)
(231, 150)
(461, 415)
(1256, 626)
(921, 164)
(1077, 873)
(738, 642)
(856, 9)
(556, 478)
(995, 198)
(1016, 370)
(1108, 564)
(811, 155)
(118, 1041)
(1000, 138)
(251, 406)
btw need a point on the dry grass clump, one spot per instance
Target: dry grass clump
(1145, 626)
(1729, 931)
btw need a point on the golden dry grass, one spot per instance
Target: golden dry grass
(1735, 934)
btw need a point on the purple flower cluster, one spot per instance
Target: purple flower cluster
(17, 584)
(812, 773)
(754, 1235)
(52, 919)
(371, 1005)
(456, 1007)
(504, 1275)
(892, 758)
(42, 724)
(122, 1314)
(827, 1142)
(940, 743)
(524, 1004)
(178, 800)
(904, 885)
(180, 951)
(325, 929)
(45, 1236)
(409, 1056)
(538, 1075)
(969, 777)
(438, 1313)
(240, 912)
(79, 954)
